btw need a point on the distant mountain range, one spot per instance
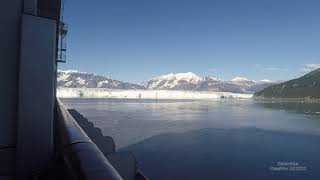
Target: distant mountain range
(76, 79)
(307, 86)
(190, 81)
(180, 81)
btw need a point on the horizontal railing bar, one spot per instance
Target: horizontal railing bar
(81, 156)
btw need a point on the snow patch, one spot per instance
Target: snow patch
(265, 81)
(189, 76)
(102, 82)
(81, 81)
(237, 79)
(68, 71)
(63, 77)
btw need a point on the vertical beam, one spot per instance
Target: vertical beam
(36, 95)
(9, 57)
(10, 15)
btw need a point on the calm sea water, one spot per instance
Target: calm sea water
(223, 139)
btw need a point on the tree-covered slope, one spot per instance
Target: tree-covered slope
(303, 87)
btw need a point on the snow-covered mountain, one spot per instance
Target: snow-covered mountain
(190, 81)
(242, 81)
(180, 81)
(76, 79)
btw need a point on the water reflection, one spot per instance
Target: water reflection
(294, 106)
(223, 154)
(210, 139)
(131, 121)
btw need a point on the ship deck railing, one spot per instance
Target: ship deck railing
(81, 157)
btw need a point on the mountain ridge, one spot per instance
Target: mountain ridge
(77, 79)
(190, 81)
(307, 86)
(172, 81)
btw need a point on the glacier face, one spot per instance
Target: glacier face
(145, 94)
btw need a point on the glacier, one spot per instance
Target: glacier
(146, 94)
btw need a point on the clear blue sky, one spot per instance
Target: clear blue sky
(134, 40)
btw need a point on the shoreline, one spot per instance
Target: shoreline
(300, 100)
